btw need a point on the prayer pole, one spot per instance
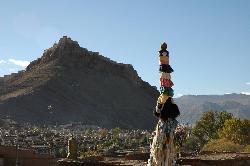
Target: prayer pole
(162, 148)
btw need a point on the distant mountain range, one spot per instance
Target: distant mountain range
(192, 106)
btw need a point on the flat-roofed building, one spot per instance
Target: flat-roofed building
(26, 157)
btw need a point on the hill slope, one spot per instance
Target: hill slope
(70, 83)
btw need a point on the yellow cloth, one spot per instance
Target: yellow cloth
(164, 59)
(162, 98)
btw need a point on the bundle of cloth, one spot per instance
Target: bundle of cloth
(162, 151)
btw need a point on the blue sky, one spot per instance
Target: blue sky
(209, 41)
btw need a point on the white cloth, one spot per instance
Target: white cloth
(162, 148)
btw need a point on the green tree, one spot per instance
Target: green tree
(115, 135)
(236, 130)
(60, 152)
(208, 126)
(192, 144)
(222, 117)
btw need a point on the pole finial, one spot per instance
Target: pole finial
(164, 46)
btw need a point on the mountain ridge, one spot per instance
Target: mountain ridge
(78, 85)
(192, 106)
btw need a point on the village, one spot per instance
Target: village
(52, 140)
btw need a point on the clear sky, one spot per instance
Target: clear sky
(209, 40)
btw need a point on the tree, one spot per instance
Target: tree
(208, 126)
(103, 133)
(115, 132)
(222, 117)
(236, 130)
(192, 144)
(62, 152)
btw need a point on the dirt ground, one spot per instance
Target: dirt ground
(202, 159)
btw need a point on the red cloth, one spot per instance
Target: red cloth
(166, 82)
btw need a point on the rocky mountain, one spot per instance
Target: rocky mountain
(69, 83)
(192, 106)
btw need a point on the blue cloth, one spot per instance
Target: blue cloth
(167, 127)
(167, 90)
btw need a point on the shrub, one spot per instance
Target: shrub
(192, 144)
(247, 149)
(220, 145)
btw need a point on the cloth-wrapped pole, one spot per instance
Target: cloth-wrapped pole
(162, 151)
